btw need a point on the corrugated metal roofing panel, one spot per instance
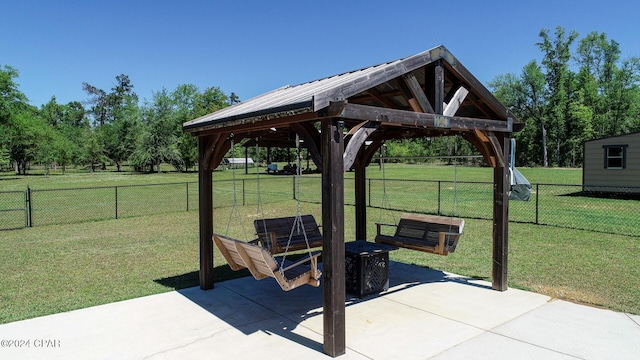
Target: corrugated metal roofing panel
(317, 95)
(318, 92)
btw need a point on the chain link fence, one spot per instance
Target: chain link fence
(31, 207)
(602, 209)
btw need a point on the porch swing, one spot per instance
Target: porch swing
(427, 233)
(261, 263)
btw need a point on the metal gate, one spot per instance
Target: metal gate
(14, 209)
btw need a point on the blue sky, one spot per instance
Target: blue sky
(251, 47)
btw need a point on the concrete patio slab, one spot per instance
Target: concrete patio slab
(497, 347)
(451, 296)
(582, 331)
(426, 314)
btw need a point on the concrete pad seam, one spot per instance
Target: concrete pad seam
(459, 321)
(485, 330)
(532, 344)
(632, 319)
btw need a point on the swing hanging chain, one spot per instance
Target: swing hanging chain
(260, 209)
(385, 203)
(297, 223)
(455, 185)
(234, 207)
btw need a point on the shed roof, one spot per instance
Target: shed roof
(380, 85)
(633, 134)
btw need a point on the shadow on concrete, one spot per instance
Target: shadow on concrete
(252, 306)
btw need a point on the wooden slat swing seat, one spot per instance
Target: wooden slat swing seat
(262, 264)
(279, 235)
(275, 234)
(427, 233)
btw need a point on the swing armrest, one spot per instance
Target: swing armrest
(311, 258)
(442, 246)
(267, 240)
(380, 225)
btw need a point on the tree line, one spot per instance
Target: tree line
(581, 89)
(111, 126)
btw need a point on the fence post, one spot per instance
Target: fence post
(293, 183)
(537, 202)
(187, 183)
(369, 192)
(243, 194)
(29, 218)
(439, 185)
(116, 202)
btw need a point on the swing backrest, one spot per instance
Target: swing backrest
(273, 234)
(428, 233)
(227, 247)
(428, 227)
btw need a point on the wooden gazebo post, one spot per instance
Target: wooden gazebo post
(205, 205)
(501, 216)
(333, 271)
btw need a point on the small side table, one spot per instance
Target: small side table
(366, 267)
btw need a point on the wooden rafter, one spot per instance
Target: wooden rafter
(378, 96)
(239, 126)
(419, 97)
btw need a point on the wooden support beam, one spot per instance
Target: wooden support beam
(454, 104)
(311, 138)
(484, 145)
(439, 88)
(501, 218)
(205, 206)
(360, 190)
(333, 271)
(413, 119)
(418, 95)
(501, 160)
(209, 143)
(221, 146)
(355, 144)
(365, 155)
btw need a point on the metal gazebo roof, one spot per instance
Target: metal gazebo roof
(387, 85)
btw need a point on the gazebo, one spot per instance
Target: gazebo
(344, 119)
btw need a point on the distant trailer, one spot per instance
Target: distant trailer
(612, 164)
(238, 162)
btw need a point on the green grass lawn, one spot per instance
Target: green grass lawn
(53, 268)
